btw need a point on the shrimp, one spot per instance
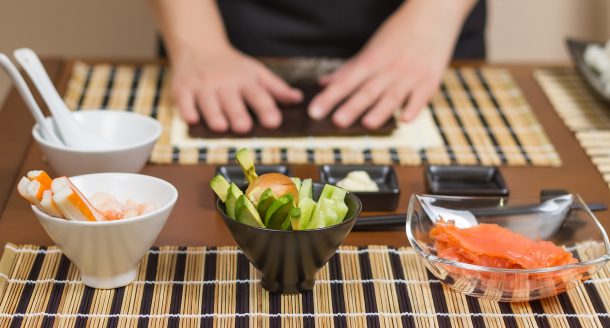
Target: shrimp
(108, 206)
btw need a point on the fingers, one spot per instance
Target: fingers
(235, 109)
(361, 100)
(212, 114)
(417, 101)
(343, 84)
(264, 106)
(389, 102)
(278, 88)
(185, 100)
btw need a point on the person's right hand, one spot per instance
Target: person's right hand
(222, 84)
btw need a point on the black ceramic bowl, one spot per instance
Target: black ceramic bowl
(289, 260)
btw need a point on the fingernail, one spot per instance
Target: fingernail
(316, 112)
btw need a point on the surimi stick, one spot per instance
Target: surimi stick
(71, 202)
(42, 177)
(48, 204)
(22, 188)
(33, 188)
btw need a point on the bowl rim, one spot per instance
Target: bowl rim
(433, 258)
(153, 138)
(344, 222)
(136, 219)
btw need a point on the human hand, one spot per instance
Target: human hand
(403, 62)
(222, 84)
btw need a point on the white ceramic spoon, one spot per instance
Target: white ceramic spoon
(45, 129)
(71, 131)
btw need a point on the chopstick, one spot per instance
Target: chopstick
(385, 222)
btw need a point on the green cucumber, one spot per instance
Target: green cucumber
(323, 215)
(306, 190)
(307, 206)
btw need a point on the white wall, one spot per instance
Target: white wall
(534, 30)
(519, 30)
(65, 28)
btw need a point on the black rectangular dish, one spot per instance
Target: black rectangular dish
(234, 174)
(465, 181)
(386, 199)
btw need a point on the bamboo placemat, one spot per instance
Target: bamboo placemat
(479, 117)
(375, 286)
(581, 111)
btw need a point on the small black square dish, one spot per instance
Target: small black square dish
(386, 199)
(234, 174)
(465, 181)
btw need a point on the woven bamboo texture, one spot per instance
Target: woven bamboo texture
(480, 114)
(581, 111)
(374, 286)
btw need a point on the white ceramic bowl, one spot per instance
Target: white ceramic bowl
(134, 134)
(107, 253)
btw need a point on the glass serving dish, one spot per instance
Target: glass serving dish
(564, 220)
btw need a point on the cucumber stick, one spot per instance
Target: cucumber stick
(324, 214)
(306, 190)
(307, 206)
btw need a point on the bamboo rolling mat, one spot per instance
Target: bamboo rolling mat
(375, 286)
(581, 111)
(478, 117)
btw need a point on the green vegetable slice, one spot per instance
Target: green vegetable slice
(232, 196)
(220, 186)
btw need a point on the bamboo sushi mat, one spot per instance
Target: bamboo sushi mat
(478, 117)
(375, 286)
(581, 111)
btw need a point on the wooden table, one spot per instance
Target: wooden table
(194, 220)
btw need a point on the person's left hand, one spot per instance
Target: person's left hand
(403, 62)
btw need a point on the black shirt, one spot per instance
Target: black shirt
(325, 28)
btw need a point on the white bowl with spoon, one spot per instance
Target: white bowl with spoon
(133, 136)
(87, 141)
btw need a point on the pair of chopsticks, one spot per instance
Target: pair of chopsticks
(386, 222)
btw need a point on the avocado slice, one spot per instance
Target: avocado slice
(247, 164)
(307, 206)
(220, 186)
(278, 212)
(267, 198)
(306, 190)
(232, 196)
(246, 213)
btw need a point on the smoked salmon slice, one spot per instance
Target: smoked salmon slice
(491, 245)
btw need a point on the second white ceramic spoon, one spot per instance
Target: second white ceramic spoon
(45, 129)
(72, 132)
